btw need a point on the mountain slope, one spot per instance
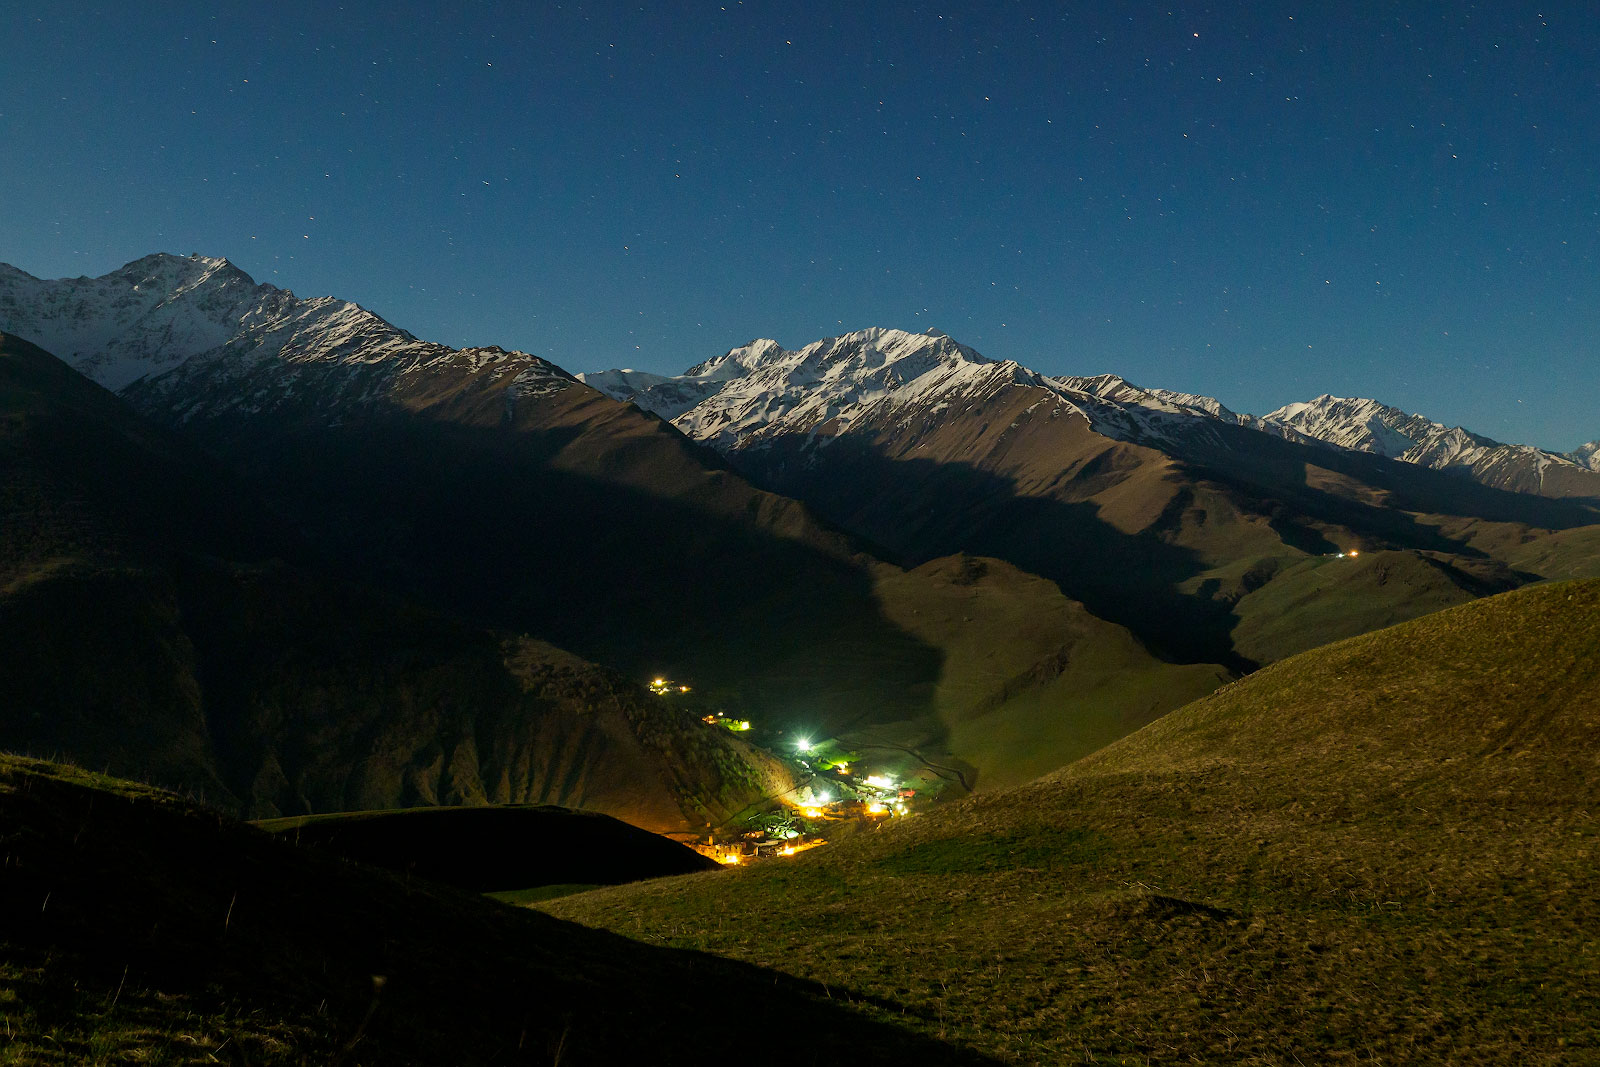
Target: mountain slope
(1162, 512)
(147, 627)
(1374, 850)
(1030, 680)
(220, 943)
(493, 485)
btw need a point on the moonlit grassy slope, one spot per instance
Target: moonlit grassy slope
(1379, 851)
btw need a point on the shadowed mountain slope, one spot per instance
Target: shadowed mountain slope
(595, 526)
(136, 928)
(1170, 547)
(490, 483)
(1375, 850)
(146, 630)
(1030, 680)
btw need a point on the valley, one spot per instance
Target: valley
(945, 709)
(1371, 850)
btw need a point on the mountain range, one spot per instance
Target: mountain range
(760, 391)
(1163, 512)
(883, 535)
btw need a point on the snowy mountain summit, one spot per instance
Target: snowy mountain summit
(137, 321)
(195, 336)
(1587, 456)
(1368, 426)
(759, 392)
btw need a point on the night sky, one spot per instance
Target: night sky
(1260, 202)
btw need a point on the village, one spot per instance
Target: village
(838, 795)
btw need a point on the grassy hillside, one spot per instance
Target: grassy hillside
(1317, 600)
(1376, 852)
(137, 929)
(1029, 680)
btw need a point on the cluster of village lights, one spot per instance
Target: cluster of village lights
(882, 798)
(875, 806)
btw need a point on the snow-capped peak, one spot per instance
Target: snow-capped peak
(736, 362)
(195, 335)
(1118, 389)
(140, 319)
(763, 388)
(1368, 426)
(758, 392)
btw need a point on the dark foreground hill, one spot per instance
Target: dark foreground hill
(1380, 851)
(136, 928)
(496, 849)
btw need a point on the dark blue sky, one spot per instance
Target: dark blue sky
(1261, 202)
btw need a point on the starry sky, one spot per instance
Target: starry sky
(1260, 202)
